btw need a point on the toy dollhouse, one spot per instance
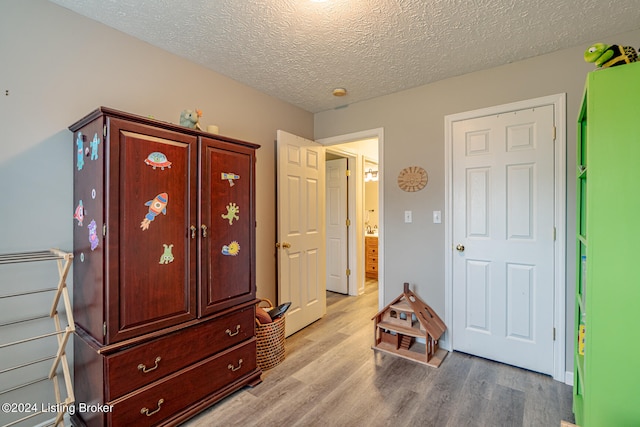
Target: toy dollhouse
(399, 324)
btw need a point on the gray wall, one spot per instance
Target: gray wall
(58, 66)
(413, 123)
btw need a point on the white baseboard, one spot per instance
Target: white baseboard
(568, 378)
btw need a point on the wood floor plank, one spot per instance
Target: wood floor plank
(332, 377)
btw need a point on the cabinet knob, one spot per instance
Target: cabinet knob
(204, 230)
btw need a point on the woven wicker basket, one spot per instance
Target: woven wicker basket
(270, 341)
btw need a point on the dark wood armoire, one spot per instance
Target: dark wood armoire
(164, 282)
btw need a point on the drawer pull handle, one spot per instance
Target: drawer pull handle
(204, 230)
(233, 368)
(193, 231)
(144, 369)
(233, 334)
(146, 412)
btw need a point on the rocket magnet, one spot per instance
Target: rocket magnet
(156, 206)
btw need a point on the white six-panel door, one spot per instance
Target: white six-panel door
(301, 229)
(503, 237)
(337, 214)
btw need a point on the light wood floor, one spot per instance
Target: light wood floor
(331, 377)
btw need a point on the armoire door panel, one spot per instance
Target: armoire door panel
(227, 209)
(151, 269)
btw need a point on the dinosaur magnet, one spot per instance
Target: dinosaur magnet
(157, 160)
(231, 249)
(232, 213)
(167, 255)
(79, 213)
(229, 177)
(156, 206)
(80, 156)
(93, 234)
(94, 147)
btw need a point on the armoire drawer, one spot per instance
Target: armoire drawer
(143, 364)
(168, 396)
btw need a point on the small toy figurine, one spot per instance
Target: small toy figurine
(191, 119)
(609, 56)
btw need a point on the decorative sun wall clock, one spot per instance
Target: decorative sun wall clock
(413, 178)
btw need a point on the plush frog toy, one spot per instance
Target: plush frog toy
(609, 56)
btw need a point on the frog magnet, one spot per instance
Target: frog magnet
(167, 255)
(232, 213)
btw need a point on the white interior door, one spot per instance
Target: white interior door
(503, 237)
(337, 215)
(301, 229)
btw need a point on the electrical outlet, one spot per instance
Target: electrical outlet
(407, 217)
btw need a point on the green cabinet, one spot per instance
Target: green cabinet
(606, 388)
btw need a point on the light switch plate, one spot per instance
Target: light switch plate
(437, 217)
(407, 217)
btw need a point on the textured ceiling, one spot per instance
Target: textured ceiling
(300, 50)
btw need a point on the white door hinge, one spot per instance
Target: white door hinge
(553, 133)
(554, 334)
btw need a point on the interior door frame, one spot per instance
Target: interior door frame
(560, 247)
(359, 221)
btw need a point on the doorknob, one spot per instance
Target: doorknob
(284, 245)
(460, 248)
